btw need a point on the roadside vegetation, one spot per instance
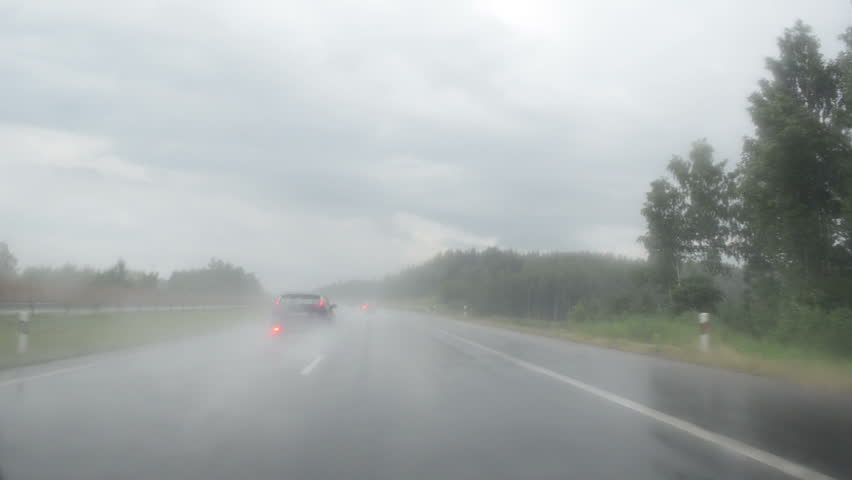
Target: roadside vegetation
(676, 337)
(56, 336)
(70, 290)
(70, 286)
(764, 245)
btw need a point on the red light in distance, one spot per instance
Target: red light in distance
(276, 330)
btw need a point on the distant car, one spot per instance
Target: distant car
(300, 311)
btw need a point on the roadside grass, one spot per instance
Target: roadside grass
(676, 338)
(56, 336)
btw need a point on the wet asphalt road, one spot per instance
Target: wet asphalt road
(399, 395)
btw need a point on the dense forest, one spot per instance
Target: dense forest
(534, 285)
(765, 243)
(216, 284)
(548, 286)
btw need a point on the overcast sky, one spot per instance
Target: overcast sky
(317, 141)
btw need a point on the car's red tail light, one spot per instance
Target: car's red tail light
(364, 307)
(322, 302)
(275, 330)
(278, 302)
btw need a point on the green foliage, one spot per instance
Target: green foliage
(116, 276)
(706, 189)
(219, 282)
(8, 262)
(665, 211)
(8, 271)
(794, 178)
(786, 322)
(218, 277)
(785, 212)
(807, 325)
(70, 277)
(690, 219)
(529, 285)
(697, 293)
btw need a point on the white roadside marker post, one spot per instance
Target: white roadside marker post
(704, 339)
(23, 331)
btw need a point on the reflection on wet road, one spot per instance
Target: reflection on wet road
(399, 395)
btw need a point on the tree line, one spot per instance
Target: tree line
(784, 212)
(533, 285)
(69, 285)
(504, 282)
(555, 286)
(766, 243)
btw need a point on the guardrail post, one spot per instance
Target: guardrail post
(23, 331)
(704, 339)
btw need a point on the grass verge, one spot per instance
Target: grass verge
(677, 339)
(56, 336)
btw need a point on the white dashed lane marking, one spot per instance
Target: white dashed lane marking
(309, 367)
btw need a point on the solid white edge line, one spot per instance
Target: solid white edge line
(309, 367)
(13, 381)
(790, 468)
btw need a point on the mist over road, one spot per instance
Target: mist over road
(400, 395)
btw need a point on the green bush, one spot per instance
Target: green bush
(792, 323)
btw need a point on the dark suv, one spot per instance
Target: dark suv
(297, 311)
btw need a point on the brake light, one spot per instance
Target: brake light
(275, 330)
(278, 302)
(364, 307)
(322, 302)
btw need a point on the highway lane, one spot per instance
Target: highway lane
(400, 395)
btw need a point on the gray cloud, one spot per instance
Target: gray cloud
(311, 142)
